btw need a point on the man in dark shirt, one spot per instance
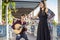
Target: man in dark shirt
(22, 34)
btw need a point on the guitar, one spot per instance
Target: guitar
(19, 29)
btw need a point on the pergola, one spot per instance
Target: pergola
(24, 6)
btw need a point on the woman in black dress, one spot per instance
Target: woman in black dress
(43, 32)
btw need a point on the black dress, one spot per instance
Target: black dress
(43, 32)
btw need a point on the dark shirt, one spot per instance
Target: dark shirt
(19, 22)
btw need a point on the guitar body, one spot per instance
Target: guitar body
(16, 31)
(19, 29)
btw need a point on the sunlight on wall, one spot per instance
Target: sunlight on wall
(36, 11)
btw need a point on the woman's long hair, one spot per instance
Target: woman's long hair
(44, 5)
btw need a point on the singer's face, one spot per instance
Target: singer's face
(22, 17)
(41, 5)
(17, 26)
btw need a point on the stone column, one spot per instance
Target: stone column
(0, 11)
(59, 11)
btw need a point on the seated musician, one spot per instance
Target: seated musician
(19, 28)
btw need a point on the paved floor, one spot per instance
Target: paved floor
(30, 37)
(3, 38)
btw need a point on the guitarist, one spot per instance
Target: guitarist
(19, 28)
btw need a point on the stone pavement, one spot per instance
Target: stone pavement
(30, 37)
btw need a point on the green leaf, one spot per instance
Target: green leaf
(54, 22)
(13, 5)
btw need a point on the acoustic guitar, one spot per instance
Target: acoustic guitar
(19, 29)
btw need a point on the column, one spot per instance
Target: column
(0, 11)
